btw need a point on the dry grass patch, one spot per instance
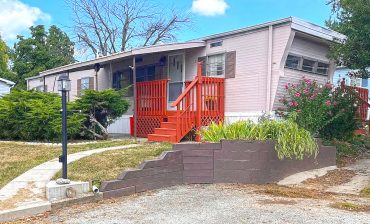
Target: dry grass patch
(277, 201)
(108, 165)
(332, 178)
(289, 192)
(18, 157)
(365, 192)
(349, 206)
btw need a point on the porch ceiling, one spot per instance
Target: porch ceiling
(122, 55)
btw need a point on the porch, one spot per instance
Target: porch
(161, 119)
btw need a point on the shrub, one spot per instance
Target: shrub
(32, 115)
(101, 108)
(322, 110)
(292, 142)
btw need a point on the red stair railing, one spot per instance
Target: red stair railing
(201, 103)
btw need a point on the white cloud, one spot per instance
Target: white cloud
(16, 17)
(209, 7)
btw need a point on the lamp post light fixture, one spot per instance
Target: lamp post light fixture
(64, 85)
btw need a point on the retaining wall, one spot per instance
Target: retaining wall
(204, 163)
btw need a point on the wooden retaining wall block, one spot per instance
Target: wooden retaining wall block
(204, 163)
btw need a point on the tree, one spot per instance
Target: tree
(5, 72)
(352, 18)
(100, 108)
(107, 27)
(40, 52)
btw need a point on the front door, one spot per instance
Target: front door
(176, 71)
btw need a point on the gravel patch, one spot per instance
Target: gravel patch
(207, 204)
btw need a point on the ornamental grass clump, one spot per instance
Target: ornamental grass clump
(292, 141)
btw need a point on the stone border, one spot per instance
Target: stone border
(252, 162)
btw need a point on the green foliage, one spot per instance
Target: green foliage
(43, 50)
(101, 108)
(321, 109)
(5, 73)
(292, 142)
(31, 115)
(351, 18)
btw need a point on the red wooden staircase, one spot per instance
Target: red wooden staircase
(201, 103)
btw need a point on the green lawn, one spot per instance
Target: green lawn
(17, 157)
(108, 165)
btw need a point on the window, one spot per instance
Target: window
(216, 44)
(292, 61)
(216, 65)
(322, 68)
(85, 83)
(123, 80)
(307, 65)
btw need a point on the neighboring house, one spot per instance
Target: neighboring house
(243, 75)
(343, 73)
(5, 86)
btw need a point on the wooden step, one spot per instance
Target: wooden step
(162, 138)
(165, 131)
(170, 125)
(172, 119)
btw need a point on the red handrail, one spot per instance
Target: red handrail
(201, 103)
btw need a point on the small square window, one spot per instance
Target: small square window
(292, 62)
(322, 68)
(85, 83)
(308, 65)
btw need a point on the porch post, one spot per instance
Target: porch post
(199, 101)
(135, 96)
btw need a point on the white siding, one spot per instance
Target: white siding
(120, 126)
(308, 48)
(4, 88)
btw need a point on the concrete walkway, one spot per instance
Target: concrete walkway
(28, 189)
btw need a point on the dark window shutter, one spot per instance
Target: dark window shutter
(230, 64)
(204, 65)
(91, 83)
(78, 87)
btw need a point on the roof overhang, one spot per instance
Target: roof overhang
(119, 56)
(8, 82)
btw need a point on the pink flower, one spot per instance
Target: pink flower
(298, 94)
(335, 103)
(305, 91)
(290, 103)
(293, 85)
(328, 102)
(307, 81)
(295, 103)
(286, 86)
(299, 111)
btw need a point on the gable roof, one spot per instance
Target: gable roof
(8, 82)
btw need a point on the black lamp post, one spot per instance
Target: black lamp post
(64, 85)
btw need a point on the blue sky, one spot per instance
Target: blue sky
(209, 16)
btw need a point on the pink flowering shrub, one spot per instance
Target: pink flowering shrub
(319, 107)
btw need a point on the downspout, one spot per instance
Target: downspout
(135, 95)
(269, 71)
(44, 84)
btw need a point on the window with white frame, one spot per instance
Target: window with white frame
(307, 64)
(216, 65)
(85, 83)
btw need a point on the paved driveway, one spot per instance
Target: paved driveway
(208, 204)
